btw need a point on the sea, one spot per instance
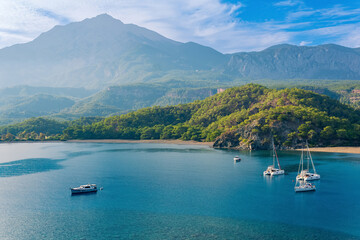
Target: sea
(169, 191)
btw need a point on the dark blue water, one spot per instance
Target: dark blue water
(160, 191)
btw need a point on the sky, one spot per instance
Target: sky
(226, 25)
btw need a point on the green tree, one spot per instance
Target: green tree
(327, 133)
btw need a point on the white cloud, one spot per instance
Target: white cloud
(304, 43)
(352, 38)
(288, 3)
(339, 11)
(347, 35)
(300, 14)
(185, 20)
(208, 22)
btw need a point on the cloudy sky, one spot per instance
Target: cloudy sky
(228, 26)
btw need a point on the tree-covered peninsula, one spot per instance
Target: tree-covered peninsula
(245, 117)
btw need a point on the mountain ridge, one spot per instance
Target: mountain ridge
(102, 51)
(96, 53)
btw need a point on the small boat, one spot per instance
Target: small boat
(272, 170)
(305, 174)
(88, 188)
(237, 159)
(303, 186)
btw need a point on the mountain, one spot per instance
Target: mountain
(21, 102)
(36, 105)
(102, 51)
(286, 61)
(122, 99)
(101, 66)
(99, 52)
(28, 91)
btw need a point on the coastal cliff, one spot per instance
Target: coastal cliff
(250, 138)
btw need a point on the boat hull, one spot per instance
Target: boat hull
(312, 177)
(75, 191)
(307, 189)
(279, 172)
(308, 177)
(304, 187)
(273, 171)
(88, 188)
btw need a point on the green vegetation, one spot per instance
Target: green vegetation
(241, 116)
(40, 129)
(33, 129)
(20, 103)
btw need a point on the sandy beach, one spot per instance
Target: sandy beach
(145, 141)
(355, 150)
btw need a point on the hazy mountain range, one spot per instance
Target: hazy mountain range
(101, 53)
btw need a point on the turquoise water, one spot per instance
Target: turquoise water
(162, 191)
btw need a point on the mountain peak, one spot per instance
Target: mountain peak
(103, 18)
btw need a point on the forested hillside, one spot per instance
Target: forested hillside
(244, 117)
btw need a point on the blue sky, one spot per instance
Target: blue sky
(228, 26)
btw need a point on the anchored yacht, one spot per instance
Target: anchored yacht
(84, 189)
(272, 170)
(305, 174)
(303, 186)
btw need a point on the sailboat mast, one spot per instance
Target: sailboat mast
(273, 152)
(307, 157)
(301, 161)
(308, 161)
(312, 163)
(277, 159)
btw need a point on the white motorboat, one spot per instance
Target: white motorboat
(303, 186)
(305, 174)
(237, 159)
(272, 170)
(88, 188)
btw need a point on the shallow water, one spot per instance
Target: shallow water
(162, 191)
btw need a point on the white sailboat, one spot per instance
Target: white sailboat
(305, 174)
(303, 186)
(272, 170)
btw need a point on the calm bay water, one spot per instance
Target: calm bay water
(161, 191)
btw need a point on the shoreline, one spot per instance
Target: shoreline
(173, 141)
(354, 150)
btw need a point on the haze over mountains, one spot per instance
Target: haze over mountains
(128, 67)
(102, 51)
(99, 52)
